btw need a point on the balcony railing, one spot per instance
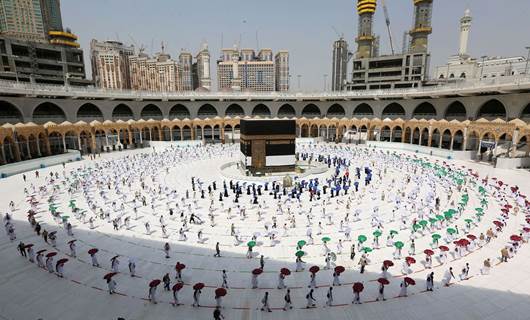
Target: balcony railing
(468, 86)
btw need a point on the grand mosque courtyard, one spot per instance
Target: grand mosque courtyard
(403, 218)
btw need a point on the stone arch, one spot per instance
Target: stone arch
(179, 111)
(10, 113)
(446, 139)
(424, 137)
(408, 135)
(235, 110)
(384, 134)
(151, 111)
(424, 110)
(456, 111)
(435, 138)
(458, 140)
(187, 133)
(304, 131)
(393, 110)
(122, 112)
(261, 110)
(336, 111)
(397, 134)
(492, 110)
(286, 110)
(89, 112)
(363, 110)
(207, 111)
(311, 111)
(48, 111)
(472, 141)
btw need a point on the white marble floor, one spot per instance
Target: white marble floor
(28, 292)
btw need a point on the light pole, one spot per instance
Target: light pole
(299, 78)
(325, 82)
(482, 67)
(527, 58)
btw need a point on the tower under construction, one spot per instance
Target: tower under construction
(405, 70)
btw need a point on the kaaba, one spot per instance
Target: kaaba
(268, 145)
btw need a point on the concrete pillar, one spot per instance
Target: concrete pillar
(130, 136)
(452, 142)
(28, 149)
(464, 143)
(3, 153)
(181, 134)
(513, 149)
(170, 134)
(411, 136)
(64, 142)
(141, 136)
(79, 142)
(441, 140)
(429, 140)
(93, 142)
(391, 134)
(106, 139)
(38, 147)
(478, 149)
(419, 141)
(48, 147)
(16, 152)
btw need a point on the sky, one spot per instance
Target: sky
(304, 27)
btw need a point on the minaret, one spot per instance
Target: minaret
(422, 26)
(465, 27)
(365, 37)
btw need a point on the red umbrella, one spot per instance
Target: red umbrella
(410, 260)
(504, 210)
(471, 237)
(41, 251)
(358, 287)
(463, 242)
(388, 263)
(339, 269)
(178, 286)
(198, 286)
(285, 271)
(383, 281)
(410, 281)
(528, 220)
(180, 266)
(51, 254)
(314, 269)
(526, 229)
(497, 223)
(220, 292)
(109, 275)
(516, 238)
(257, 271)
(62, 261)
(29, 245)
(509, 206)
(154, 283)
(444, 248)
(428, 252)
(92, 251)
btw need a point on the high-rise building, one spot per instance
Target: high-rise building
(51, 15)
(465, 28)
(339, 70)
(244, 70)
(160, 73)
(110, 64)
(419, 35)
(202, 76)
(408, 69)
(281, 61)
(365, 37)
(186, 65)
(22, 19)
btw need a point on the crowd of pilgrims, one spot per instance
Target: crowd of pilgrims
(123, 191)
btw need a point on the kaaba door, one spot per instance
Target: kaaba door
(258, 154)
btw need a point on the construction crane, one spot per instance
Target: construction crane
(387, 20)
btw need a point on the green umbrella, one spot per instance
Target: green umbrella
(436, 236)
(377, 233)
(432, 220)
(393, 232)
(300, 253)
(468, 221)
(460, 181)
(251, 244)
(452, 211)
(301, 243)
(440, 217)
(479, 214)
(367, 249)
(416, 227)
(448, 215)
(362, 238)
(481, 190)
(65, 218)
(479, 210)
(451, 231)
(326, 239)
(423, 223)
(398, 244)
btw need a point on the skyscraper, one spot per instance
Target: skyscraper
(202, 69)
(51, 15)
(110, 64)
(340, 64)
(281, 62)
(22, 19)
(186, 65)
(244, 70)
(419, 35)
(365, 37)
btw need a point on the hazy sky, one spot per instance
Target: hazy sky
(304, 27)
